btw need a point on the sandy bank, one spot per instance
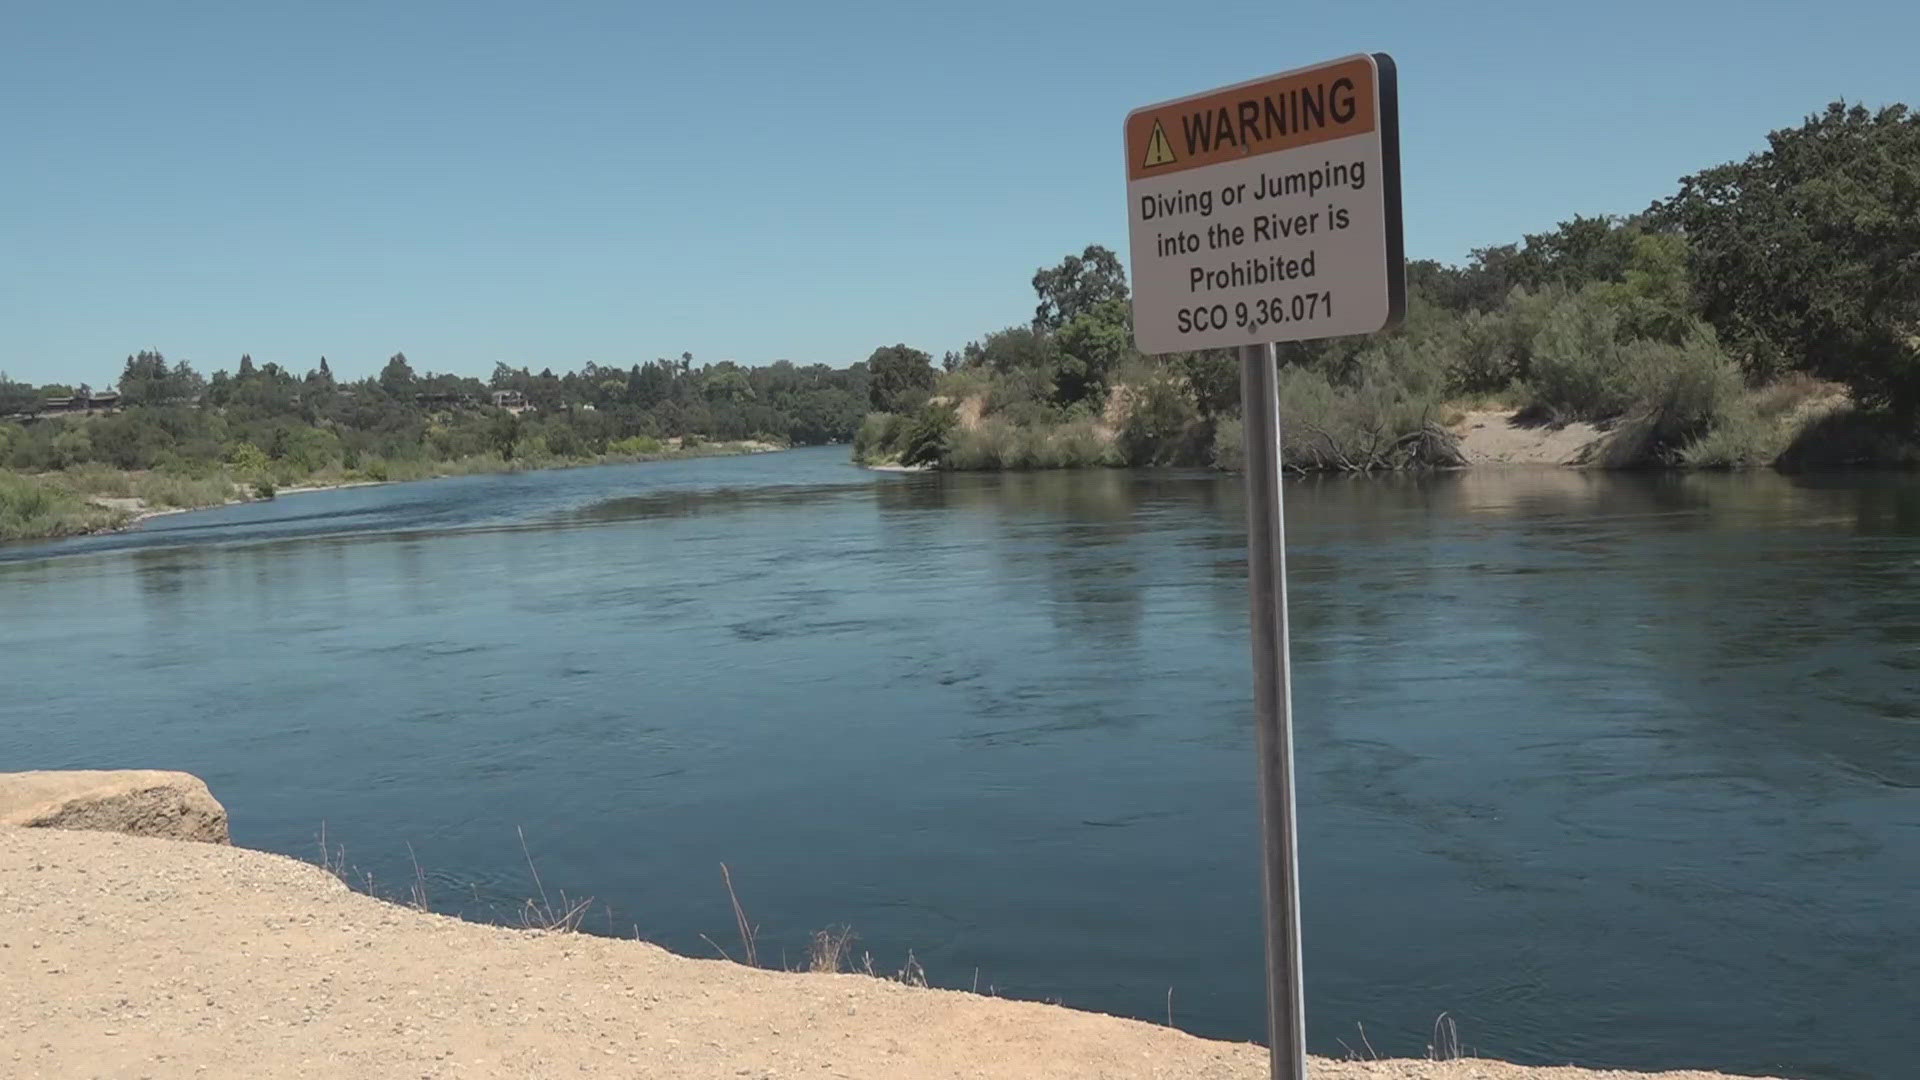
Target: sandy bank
(139, 510)
(1497, 438)
(131, 956)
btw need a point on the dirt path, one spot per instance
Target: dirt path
(1494, 438)
(124, 956)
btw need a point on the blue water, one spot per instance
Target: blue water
(1614, 770)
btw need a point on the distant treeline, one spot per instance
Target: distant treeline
(266, 417)
(1768, 312)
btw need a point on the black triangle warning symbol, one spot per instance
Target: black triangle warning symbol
(1159, 151)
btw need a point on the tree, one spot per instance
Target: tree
(16, 397)
(397, 377)
(146, 379)
(728, 384)
(1092, 346)
(1807, 254)
(1213, 378)
(1078, 285)
(1016, 348)
(246, 370)
(896, 375)
(183, 384)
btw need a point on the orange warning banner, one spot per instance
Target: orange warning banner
(1288, 111)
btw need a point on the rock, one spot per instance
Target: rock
(138, 802)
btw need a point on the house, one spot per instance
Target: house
(77, 403)
(444, 400)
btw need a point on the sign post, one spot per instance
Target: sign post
(1263, 212)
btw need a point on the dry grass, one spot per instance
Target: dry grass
(159, 489)
(1793, 393)
(34, 507)
(543, 914)
(419, 897)
(1445, 1045)
(333, 859)
(831, 950)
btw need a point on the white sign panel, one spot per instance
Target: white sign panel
(1268, 211)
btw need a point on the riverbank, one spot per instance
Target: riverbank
(95, 499)
(1792, 424)
(162, 958)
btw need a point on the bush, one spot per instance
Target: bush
(1852, 436)
(1377, 425)
(923, 441)
(636, 446)
(264, 488)
(32, 508)
(1683, 390)
(999, 445)
(994, 444)
(1576, 366)
(1229, 445)
(247, 458)
(1739, 441)
(1159, 425)
(878, 437)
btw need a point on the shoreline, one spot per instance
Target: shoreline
(138, 511)
(168, 958)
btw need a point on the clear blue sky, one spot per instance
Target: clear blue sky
(556, 183)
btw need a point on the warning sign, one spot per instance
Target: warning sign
(1158, 152)
(1268, 211)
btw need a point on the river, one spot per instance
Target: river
(1616, 770)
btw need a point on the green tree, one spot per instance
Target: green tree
(503, 431)
(1213, 378)
(16, 397)
(1807, 254)
(727, 383)
(896, 376)
(1077, 286)
(397, 378)
(1092, 346)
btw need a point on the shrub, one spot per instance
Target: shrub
(1158, 425)
(994, 444)
(636, 446)
(1376, 425)
(1851, 436)
(1682, 390)
(997, 444)
(1576, 365)
(878, 437)
(923, 441)
(1229, 445)
(264, 488)
(247, 458)
(1741, 440)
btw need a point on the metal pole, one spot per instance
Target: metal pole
(1273, 710)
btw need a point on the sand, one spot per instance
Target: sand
(1496, 438)
(127, 956)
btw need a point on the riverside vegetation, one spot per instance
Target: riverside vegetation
(1767, 313)
(180, 440)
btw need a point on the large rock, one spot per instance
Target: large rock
(139, 802)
